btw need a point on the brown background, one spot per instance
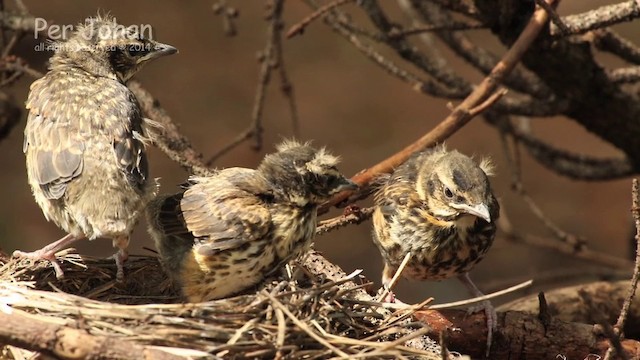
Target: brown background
(346, 103)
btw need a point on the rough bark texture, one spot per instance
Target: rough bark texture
(64, 342)
(568, 66)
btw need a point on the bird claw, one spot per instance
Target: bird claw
(492, 320)
(42, 255)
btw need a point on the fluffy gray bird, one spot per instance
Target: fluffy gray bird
(85, 137)
(438, 206)
(226, 232)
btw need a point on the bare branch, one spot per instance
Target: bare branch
(575, 166)
(625, 75)
(633, 285)
(298, 29)
(268, 59)
(599, 18)
(461, 114)
(482, 59)
(64, 342)
(610, 41)
(167, 137)
(352, 215)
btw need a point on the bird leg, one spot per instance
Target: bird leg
(387, 283)
(489, 310)
(121, 242)
(49, 252)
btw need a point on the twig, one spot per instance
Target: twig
(478, 299)
(419, 29)
(517, 186)
(599, 18)
(610, 41)
(624, 75)
(582, 253)
(436, 66)
(167, 136)
(396, 276)
(397, 342)
(425, 86)
(443, 345)
(562, 162)
(461, 115)
(229, 14)
(555, 18)
(267, 64)
(285, 84)
(624, 312)
(353, 217)
(278, 305)
(482, 59)
(603, 326)
(298, 28)
(14, 63)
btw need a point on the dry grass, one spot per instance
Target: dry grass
(299, 314)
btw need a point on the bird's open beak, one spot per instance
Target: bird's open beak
(480, 210)
(346, 184)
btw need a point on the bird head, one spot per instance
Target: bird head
(103, 47)
(454, 186)
(303, 174)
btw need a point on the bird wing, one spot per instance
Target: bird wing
(60, 126)
(51, 143)
(227, 210)
(128, 137)
(395, 191)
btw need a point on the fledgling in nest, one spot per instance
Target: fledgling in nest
(84, 138)
(227, 232)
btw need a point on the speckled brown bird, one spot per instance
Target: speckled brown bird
(227, 232)
(85, 137)
(439, 207)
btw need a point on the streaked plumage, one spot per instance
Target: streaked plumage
(439, 207)
(226, 232)
(84, 138)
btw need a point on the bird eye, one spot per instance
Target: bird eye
(448, 193)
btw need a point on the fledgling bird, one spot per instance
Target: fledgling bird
(439, 207)
(227, 232)
(85, 137)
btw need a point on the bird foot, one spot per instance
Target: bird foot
(42, 254)
(120, 257)
(392, 299)
(492, 320)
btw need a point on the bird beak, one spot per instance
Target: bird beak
(345, 184)
(159, 50)
(480, 210)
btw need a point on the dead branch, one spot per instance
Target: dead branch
(64, 342)
(182, 325)
(568, 248)
(461, 115)
(602, 17)
(269, 59)
(167, 137)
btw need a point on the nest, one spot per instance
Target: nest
(312, 311)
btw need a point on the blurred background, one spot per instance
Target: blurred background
(346, 103)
